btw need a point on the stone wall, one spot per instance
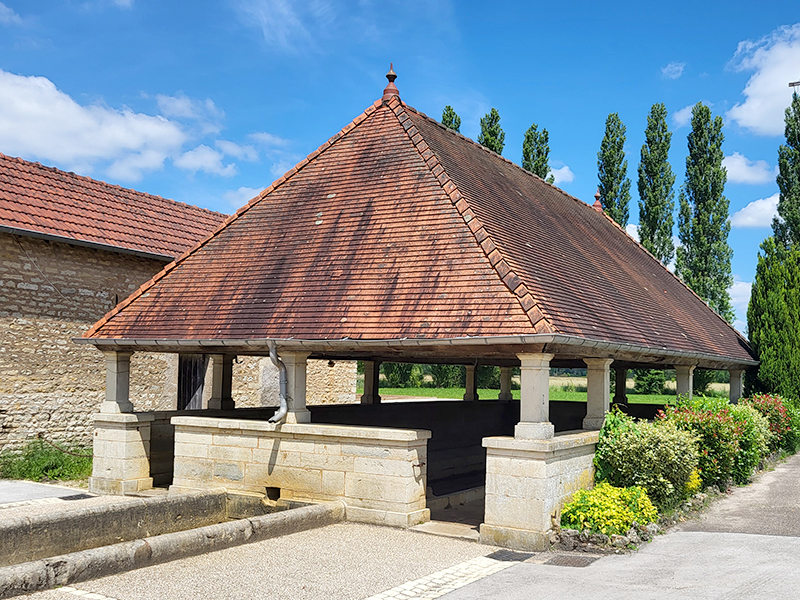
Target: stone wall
(52, 292)
(379, 473)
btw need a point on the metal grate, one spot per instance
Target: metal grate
(509, 555)
(570, 560)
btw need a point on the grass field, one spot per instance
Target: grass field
(556, 393)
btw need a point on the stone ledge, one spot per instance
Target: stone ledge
(562, 441)
(123, 418)
(516, 539)
(307, 429)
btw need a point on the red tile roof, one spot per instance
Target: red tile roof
(399, 228)
(49, 202)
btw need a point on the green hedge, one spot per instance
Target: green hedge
(608, 509)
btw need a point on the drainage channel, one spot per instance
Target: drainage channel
(69, 546)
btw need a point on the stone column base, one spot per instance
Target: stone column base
(388, 518)
(121, 463)
(516, 539)
(593, 422)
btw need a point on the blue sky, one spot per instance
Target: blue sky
(208, 102)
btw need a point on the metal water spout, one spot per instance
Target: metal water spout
(284, 407)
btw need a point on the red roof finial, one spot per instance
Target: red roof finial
(391, 89)
(598, 206)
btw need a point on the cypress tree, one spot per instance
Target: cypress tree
(492, 136)
(773, 320)
(450, 119)
(536, 152)
(612, 171)
(787, 227)
(656, 198)
(704, 256)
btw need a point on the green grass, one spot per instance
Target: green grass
(556, 393)
(39, 462)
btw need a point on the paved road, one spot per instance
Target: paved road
(13, 492)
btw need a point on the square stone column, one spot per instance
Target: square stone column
(737, 385)
(221, 382)
(372, 371)
(121, 463)
(684, 375)
(296, 389)
(505, 384)
(620, 391)
(118, 371)
(534, 405)
(471, 383)
(598, 391)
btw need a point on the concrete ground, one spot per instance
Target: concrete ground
(747, 545)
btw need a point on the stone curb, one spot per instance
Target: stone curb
(117, 558)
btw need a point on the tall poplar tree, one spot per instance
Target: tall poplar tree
(450, 119)
(656, 198)
(492, 135)
(612, 171)
(773, 320)
(536, 152)
(787, 225)
(704, 256)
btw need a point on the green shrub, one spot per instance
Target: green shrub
(448, 376)
(711, 421)
(608, 509)
(38, 461)
(656, 456)
(791, 441)
(397, 374)
(754, 436)
(780, 421)
(649, 381)
(489, 378)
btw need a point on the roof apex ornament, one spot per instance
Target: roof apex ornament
(598, 206)
(391, 89)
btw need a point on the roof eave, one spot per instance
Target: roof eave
(521, 340)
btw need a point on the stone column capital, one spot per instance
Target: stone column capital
(598, 363)
(535, 359)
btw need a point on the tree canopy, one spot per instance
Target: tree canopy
(536, 152)
(704, 256)
(612, 171)
(450, 119)
(492, 135)
(787, 225)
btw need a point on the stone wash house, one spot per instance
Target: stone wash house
(400, 240)
(70, 249)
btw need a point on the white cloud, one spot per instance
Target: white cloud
(288, 25)
(280, 167)
(39, 121)
(740, 293)
(774, 60)
(740, 326)
(123, 3)
(633, 231)
(240, 197)
(204, 112)
(759, 213)
(673, 70)
(8, 16)
(562, 175)
(743, 170)
(237, 150)
(205, 159)
(682, 117)
(268, 139)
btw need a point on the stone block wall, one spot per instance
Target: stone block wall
(380, 474)
(529, 481)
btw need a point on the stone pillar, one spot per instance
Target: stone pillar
(121, 449)
(372, 371)
(471, 392)
(505, 384)
(118, 371)
(683, 379)
(621, 377)
(221, 382)
(534, 397)
(296, 389)
(737, 388)
(598, 391)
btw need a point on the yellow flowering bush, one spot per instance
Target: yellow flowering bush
(694, 484)
(608, 509)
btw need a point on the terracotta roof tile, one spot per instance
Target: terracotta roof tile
(397, 227)
(47, 201)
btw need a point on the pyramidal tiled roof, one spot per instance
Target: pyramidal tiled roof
(399, 228)
(44, 201)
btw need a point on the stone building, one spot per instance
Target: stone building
(71, 248)
(400, 240)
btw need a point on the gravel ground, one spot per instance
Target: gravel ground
(343, 561)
